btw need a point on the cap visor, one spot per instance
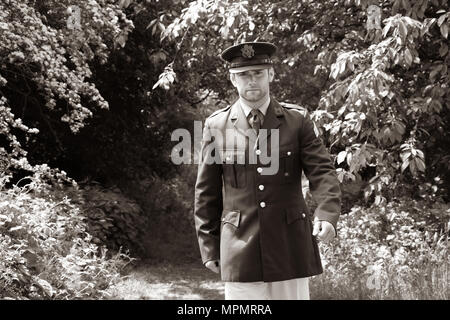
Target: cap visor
(248, 68)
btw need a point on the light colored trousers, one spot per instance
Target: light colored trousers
(293, 289)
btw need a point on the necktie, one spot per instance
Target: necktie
(255, 120)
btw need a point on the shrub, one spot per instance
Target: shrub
(397, 251)
(46, 250)
(112, 219)
(168, 204)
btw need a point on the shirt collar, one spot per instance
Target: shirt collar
(247, 109)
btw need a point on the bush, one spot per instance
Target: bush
(168, 204)
(398, 251)
(46, 250)
(113, 219)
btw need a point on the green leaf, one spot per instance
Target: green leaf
(390, 237)
(121, 40)
(408, 57)
(441, 20)
(402, 29)
(435, 71)
(443, 49)
(377, 200)
(151, 23)
(124, 3)
(404, 156)
(405, 164)
(230, 21)
(341, 156)
(444, 30)
(349, 158)
(251, 25)
(420, 164)
(386, 28)
(340, 174)
(335, 70)
(342, 66)
(45, 286)
(400, 127)
(342, 110)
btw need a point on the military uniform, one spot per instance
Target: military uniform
(258, 225)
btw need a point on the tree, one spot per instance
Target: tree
(45, 72)
(380, 97)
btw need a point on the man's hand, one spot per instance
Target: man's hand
(323, 230)
(213, 265)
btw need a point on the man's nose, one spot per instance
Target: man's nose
(252, 79)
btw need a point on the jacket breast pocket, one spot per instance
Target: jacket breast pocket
(288, 168)
(234, 168)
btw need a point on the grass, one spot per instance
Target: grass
(166, 280)
(169, 281)
(174, 271)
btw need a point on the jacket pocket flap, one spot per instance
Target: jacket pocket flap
(232, 156)
(293, 214)
(232, 217)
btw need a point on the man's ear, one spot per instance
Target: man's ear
(271, 74)
(233, 79)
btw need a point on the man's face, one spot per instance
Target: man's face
(253, 85)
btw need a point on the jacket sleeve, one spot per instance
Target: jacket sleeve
(208, 199)
(319, 170)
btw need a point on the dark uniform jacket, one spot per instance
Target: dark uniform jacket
(259, 225)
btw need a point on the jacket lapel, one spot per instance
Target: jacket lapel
(240, 122)
(271, 121)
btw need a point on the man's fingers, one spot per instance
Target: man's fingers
(316, 229)
(213, 266)
(324, 235)
(327, 232)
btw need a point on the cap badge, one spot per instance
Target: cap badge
(247, 51)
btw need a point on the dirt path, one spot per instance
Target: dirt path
(167, 281)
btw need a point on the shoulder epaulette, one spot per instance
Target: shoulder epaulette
(303, 112)
(294, 107)
(219, 111)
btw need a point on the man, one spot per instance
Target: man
(253, 226)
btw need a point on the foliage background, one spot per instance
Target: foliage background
(88, 112)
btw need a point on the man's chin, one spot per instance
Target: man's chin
(253, 97)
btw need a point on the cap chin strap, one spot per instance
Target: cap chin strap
(252, 62)
(251, 67)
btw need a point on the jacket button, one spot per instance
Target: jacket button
(258, 152)
(286, 174)
(262, 204)
(303, 215)
(261, 187)
(259, 170)
(288, 153)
